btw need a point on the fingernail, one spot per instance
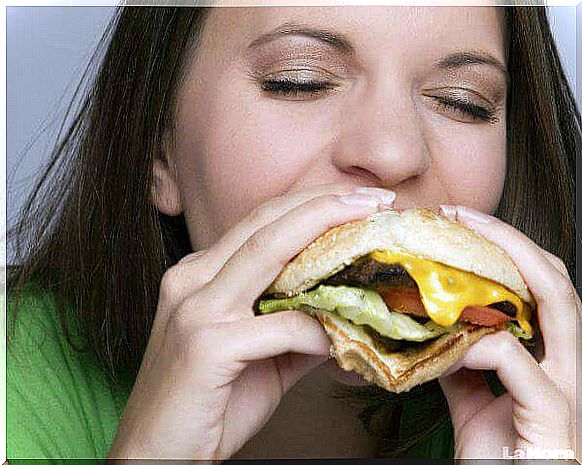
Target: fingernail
(385, 195)
(448, 211)
(362, 200)
(474, 215)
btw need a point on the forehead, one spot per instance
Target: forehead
(370, 29)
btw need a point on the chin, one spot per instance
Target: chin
(349, 378)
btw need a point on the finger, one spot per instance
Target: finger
(554, 292)
(182, 279)
(450, 211)
(260, 259)
(234, 345)
(252, 403)
(483, 407)
(525, 381)
(274, 208)
(555, 261)
(198, 268)
(493, 431)
(467, 392)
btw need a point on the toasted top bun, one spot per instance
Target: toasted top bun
(418, 231)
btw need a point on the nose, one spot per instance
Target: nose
(382, 138)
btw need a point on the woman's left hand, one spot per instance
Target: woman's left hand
(535, 418)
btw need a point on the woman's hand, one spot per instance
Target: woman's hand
(536, 415)
(213, 373)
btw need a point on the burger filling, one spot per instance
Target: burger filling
(404, 298)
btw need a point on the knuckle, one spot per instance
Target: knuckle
(200, 277)
(559, 263)
(198, 340)
(562, 403)
(192, 257)
(564, 286)
(507, 344)
(264, 212)
(555, 260)
(327, 203)
(561, 409)
(268, 239)
(169, 285)
(189, 274)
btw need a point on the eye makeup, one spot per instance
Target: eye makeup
(467, 109)
(298, 69)
(467, 86)
(463, 104)
(294, 88)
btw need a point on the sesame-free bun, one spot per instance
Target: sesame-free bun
(418, 231)
(398, 371)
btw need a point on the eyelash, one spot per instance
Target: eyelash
(477, 112)
(290, 88)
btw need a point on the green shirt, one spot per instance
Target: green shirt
(60, 404)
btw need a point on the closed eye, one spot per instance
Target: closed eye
(466, 108)
(292, 88)
(289, 88)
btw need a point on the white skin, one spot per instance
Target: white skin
(260, 175)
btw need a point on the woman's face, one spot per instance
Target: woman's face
(406, 98)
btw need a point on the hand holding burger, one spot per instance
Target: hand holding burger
(409, 296)
(536, 417)
(404, 294)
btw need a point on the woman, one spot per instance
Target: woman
(217, 143)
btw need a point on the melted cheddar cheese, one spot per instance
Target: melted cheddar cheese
(446, 291)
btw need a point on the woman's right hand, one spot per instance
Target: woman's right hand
(213, 373)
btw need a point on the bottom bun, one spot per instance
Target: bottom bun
(354, 349)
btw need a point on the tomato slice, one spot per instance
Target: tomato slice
(484, 316)
(404, 299)
(407, 300)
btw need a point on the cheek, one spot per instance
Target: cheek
(471, 166)
(241, 154)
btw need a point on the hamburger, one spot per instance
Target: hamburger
(403, 294)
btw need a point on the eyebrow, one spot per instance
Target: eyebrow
(342, 43)
(336, 40)
(460, 59)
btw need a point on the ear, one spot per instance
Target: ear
(165, 194)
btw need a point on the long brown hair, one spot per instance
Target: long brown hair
(89, 235)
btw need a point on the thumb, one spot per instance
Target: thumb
(466, 392)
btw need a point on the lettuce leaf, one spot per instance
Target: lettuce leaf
(361, 307)
(514, 328)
